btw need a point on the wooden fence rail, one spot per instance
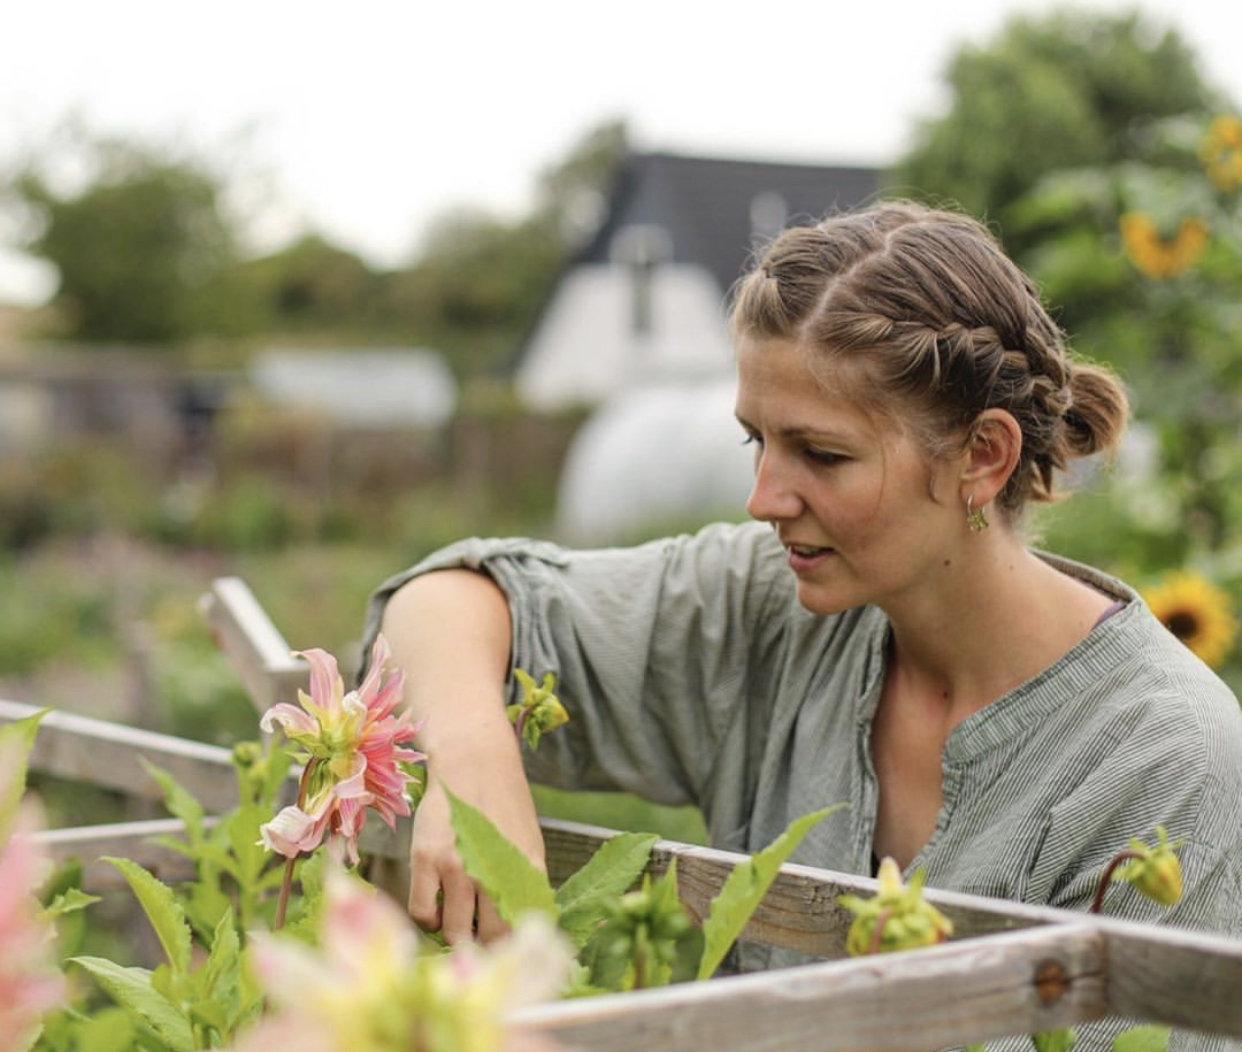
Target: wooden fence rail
(1010, 969)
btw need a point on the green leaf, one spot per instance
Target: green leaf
(219, 977)
(131, 989)
(744, 890)
(1055, 1040)
(68, 902)
(611, 871)
(1142, 1039)
(19, 737)
(162, 910)
(513, 883)
(181, 803)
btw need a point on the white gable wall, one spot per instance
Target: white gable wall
(585, 348)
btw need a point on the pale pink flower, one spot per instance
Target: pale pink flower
(30, 985)
(369, 988)
(352, 754)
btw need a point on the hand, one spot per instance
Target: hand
(443, 898)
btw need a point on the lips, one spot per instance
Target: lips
(803, 558)
(806, 550)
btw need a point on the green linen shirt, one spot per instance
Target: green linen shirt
(692, 675)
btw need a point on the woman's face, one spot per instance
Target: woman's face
(864, 514)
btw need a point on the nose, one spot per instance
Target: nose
(773, 497)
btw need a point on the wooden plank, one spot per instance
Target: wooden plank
(132, 840)
(253, 645)
(908, 1002)
(800, 911)
(1178, 978)
(109, 755)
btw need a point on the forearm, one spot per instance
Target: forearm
(450, 631)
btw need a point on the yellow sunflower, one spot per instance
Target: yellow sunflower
(1158, 258)
(1221, 152)
(1196, 611)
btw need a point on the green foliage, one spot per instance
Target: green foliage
(1090, 86)
(16, 740)
(508, 877)
(1066, 90)
(1054, 1040)
(1142, 1039)
(745, 887)
(647, 938)
(134, 991)
(162, 910)
(609, 873)
(143, 250)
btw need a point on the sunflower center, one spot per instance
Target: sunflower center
(1183, 624)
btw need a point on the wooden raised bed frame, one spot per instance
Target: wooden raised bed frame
(1010, 969)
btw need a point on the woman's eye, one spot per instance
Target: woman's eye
(752, 440)
(822, 456)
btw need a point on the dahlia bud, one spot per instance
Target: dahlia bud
(1156, 871)
(898, 918)
(539, 711)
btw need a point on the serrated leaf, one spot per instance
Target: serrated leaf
(1142, 1039)
(245, 842)
(610, 872)
(131, 989)
(204, 906)
(513, 883)
(162, 910)
(180, 802)
(219, 976)
(745, 887)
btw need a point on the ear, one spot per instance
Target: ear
(991, 455)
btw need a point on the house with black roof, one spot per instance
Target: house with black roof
(643, 302)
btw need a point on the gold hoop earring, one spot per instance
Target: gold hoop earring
(976, 518)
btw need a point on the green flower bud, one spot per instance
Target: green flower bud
(897, 918)
(539, 711)
(1156, 873)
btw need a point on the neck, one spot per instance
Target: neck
(995, 617)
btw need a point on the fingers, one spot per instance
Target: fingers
(491, 927)
(459, 906)
(424, 901)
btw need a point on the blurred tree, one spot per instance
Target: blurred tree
(312, 284)
(1067, 90)
(143, 250)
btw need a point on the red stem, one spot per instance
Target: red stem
(286, 886)
(877, 933)
(1118, 859)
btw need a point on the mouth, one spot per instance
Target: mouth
(806, 551)
(803, 558)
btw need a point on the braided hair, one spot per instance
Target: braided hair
(933, 324)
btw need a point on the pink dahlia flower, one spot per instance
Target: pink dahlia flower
(30, 985)
(351, 751)
(369, 986)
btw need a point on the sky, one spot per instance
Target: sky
(364, 121)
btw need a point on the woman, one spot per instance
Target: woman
(882, 635)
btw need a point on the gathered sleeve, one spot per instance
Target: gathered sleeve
(661, 651)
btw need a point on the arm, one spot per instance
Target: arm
(451, 631)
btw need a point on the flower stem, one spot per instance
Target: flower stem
(1118, 859)
(286, 886)
(877, 933)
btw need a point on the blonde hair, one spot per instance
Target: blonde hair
(927, 311)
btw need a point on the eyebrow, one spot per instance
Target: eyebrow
(798, 431)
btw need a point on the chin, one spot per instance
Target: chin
(824, 602)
